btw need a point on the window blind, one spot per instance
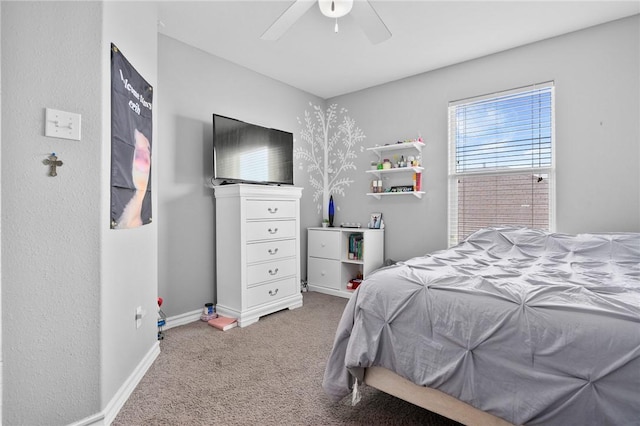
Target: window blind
(501, 160)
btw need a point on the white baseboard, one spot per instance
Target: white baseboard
(182, 319)
(113, 408)
(106, 416)
(95, 420)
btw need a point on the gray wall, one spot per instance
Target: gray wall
(70, 285)
(597, 143)
(194, 86)
(596, 72)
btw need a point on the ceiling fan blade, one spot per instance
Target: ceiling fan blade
(287, 19)
(370, 21)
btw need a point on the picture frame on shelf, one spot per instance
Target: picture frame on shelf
(375, 221)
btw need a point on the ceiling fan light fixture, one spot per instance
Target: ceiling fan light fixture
(335, 8)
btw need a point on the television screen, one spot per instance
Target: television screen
(248, 153)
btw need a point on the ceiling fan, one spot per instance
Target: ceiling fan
(362, 11)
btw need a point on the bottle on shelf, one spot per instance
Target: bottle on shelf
(417, 181)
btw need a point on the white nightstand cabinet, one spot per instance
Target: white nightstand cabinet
(257, 250)
(329, 266)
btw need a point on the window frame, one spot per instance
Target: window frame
(454, 175)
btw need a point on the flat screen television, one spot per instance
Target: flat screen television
(248, 153)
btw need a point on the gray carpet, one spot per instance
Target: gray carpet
(269, 373)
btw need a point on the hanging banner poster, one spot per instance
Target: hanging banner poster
(131, 118)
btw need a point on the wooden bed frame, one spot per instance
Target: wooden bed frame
(428, 398)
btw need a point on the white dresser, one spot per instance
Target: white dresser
(257, 250)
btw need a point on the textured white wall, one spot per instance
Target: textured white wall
(129, 258)
(50, 236)
(597, 135)
(70, 284)
(194, 86)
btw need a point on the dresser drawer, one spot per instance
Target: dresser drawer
(270, 250)
(272, 291)
(270, 229)
(270, 209)
(272, 270)
(325, 244)
(323, 272)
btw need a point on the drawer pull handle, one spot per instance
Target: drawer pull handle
(274, 251)
(273, 272)
(322, 245)
(322, 273)
(273, 231)
(272, 211)
(273, 293)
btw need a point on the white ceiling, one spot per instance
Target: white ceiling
(426, 35)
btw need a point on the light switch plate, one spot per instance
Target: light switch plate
(62, 124)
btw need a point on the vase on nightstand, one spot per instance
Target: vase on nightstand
(331, 211)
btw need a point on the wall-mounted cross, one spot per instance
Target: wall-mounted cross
(52, 162)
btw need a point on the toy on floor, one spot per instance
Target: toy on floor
(208, 312)
(162, 319)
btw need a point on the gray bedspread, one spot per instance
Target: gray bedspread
(533, 327)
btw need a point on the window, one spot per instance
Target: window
(501, 165)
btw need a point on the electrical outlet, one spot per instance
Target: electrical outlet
(139, 315)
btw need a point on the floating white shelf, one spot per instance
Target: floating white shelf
(379, 172)
(396, 146)
(378, 195)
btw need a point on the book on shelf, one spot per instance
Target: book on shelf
(223, 323)
(355, 246)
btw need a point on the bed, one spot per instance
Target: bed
(511, 326)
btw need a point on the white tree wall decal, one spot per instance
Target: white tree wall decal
(328, 141)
